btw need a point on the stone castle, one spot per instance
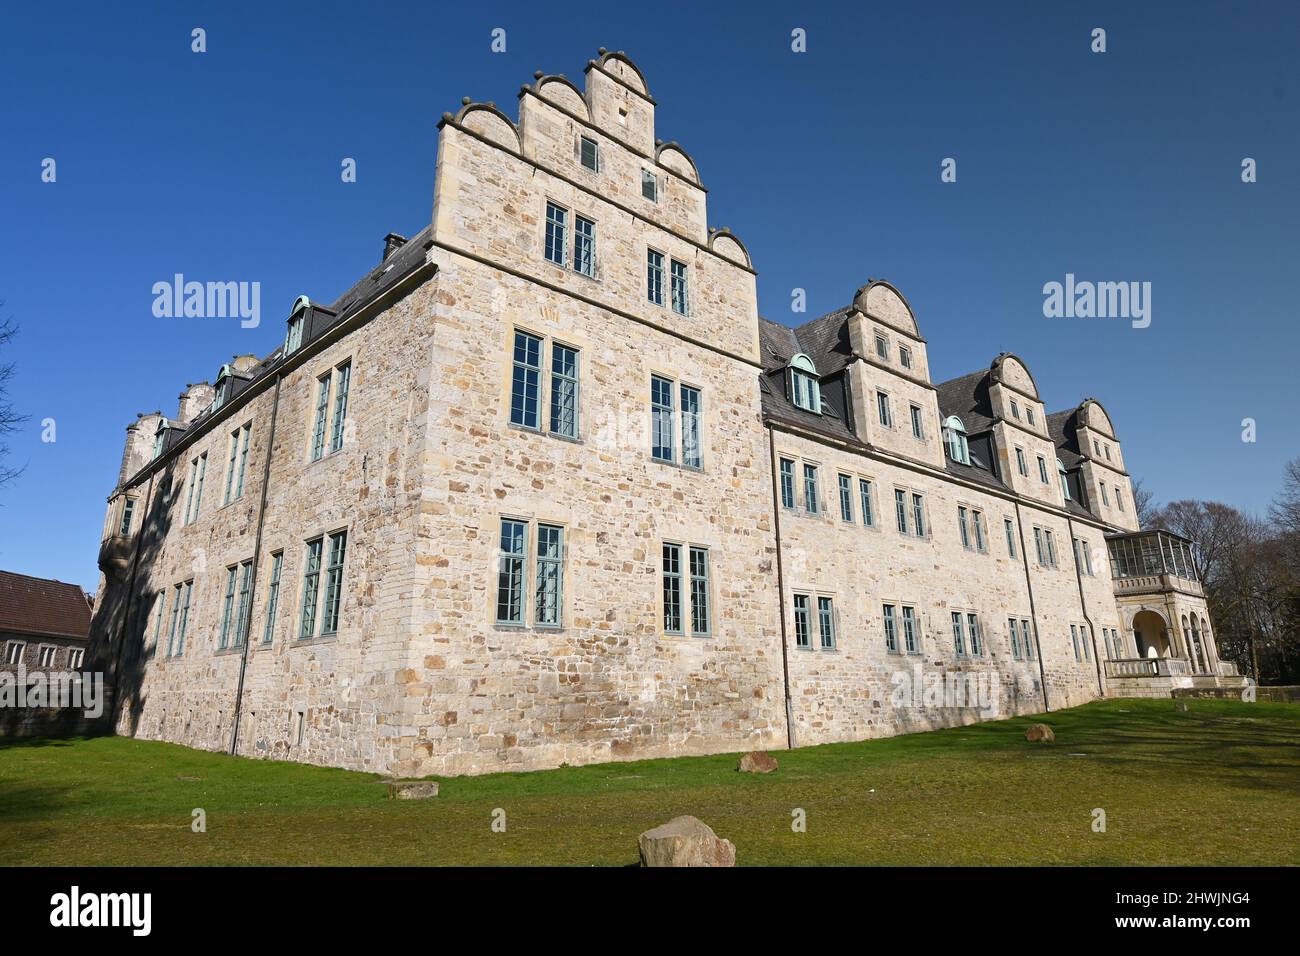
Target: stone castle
(543, 487)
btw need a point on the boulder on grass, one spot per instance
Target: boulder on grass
(685, 841)
(412, 789)
(1040, 733)
(757, 762)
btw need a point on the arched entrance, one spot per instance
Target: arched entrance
(1151, 634)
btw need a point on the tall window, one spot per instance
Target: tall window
(198, 471)
(691, 452)
(882, 409)
(1082, 557)
(245, 598)
(128, 513)
(805, 387)
(584, 246)
(700, 624)
(1020, 463)
(344, 376)
(1119, 498)
(955, 436)
(557, 218)
(293, 337)
(1065, 484)
(564, 390)
(238, 464)
(1009, 529)
(958, 635)
(1042, 469)
(272, 596)
(962, 526)
(322, 413)
(864, 494)
(1029, 413)
(846, 497)
(911, 634)
(905, 356)
(654, 276)
(900, 510)
(918, 425)
(802, 622)
(549, 589)
(663, 445)
(1014, 637)
(310, 589)
(811, 499)
(649, 185)
(1074, 639)
(1025, 641)
(891, 629)
(525, 383)
(227, 607)
(882, 347)
(679, 288)
(510, 571)
(787, 483)
(826, 622)
(977, 518)
(589, 153)
(918, 516)
(185, 616)
(672, 588)
(1105, 498)
(176, 616)
(158, 620)
(1015, 409)
(973, 631)
(338, 545)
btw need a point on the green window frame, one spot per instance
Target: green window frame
(310, 589)
(272, 596)
(337, 433)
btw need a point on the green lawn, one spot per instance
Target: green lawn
(1218, 784)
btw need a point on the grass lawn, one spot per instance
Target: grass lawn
(1218, 784)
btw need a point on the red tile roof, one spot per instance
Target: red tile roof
(40, 606)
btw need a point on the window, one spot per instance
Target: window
(918, 516)
(979, 529)
(75, 658)
(663, 447)
(525, 384)
(1015, 409)
(805, 387)
(322, 413)
(1105, 497)
(654, 277)
(955, 437)
(1119, 499)
(811, 500)
(176, 616)
(958, 635)
(198, 468)
(911, 633)
(1096, 448)
(14, 652)
(672, 587)
(649, 185)
(510, 572)
(272, 596)
(293, 338)
(1020, 463)
(185, 616)
(1010, 530)
(882, 347)
(882, 409)
(1042, 469)
(699, 558)
(1029, 414)
(900, 510)
(971, 524)
(891, 631)
(679, 288)
(826, 622)
(905, 356)
(698, 572)
(1065, 483)
(128, 513)
(1082, 556)
(1087, 645)
(245, 598)
(787, 483)
(864, 494)
(1106, 450)
(46, 656)
(228, 607)
(976, 639)
(549, 588)
(564, 390)
(1025, 641)
(238, 464)
(310, 589)
(1074, 639)
(584, 246)
(918, 426)
(961, 524)
(557, 218)
(344, 375)
(589, 153)
(691, 456)
(846, 497)
(802, 624)
(159, 617)
(1038, 546)
(1014, 637)
(334, 582)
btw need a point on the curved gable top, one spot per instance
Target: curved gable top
(880, 300)
(560, 90)
(619, 65)
(672, 156)
(1010, 369)
(490, 123)
(726, 244)
(1093, 415)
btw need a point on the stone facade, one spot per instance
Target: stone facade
(406, 664)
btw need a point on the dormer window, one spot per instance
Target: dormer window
(160, 438)
(589, 154)
(954, 435)
(805, 387)
(297, 320)
(1065, 485)
(219, 393)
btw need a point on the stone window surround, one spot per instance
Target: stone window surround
(900, 638)
(310, 420)
(966, 614)
(909, 491)
(544, 390)
(571, 217)
(814, 620)
(684, 583)
(300, 576)
(678, 433)
(971, 511)
(529, 623)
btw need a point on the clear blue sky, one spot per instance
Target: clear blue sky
(225, 166)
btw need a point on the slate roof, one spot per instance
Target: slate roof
(39, 606)
(1061, 425)
(967, 397)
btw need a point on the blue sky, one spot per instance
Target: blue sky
(1122, 166)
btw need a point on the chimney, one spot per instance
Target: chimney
(392, 242)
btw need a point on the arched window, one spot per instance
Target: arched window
(805, 390)
(954, 433)
(1065, 485)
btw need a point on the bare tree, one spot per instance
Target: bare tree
(1144, 502)
(9, 417)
